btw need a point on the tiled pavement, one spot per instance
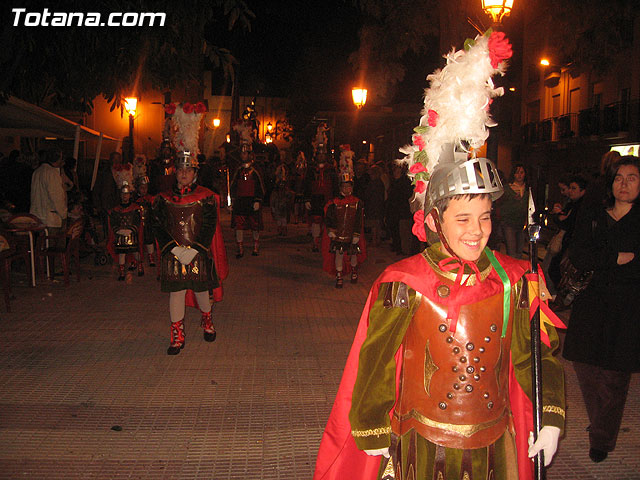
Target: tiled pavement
(88, 392)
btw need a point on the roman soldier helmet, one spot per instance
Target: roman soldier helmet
(141, 180)
(126, 187)
(246, 147)
(346, 177)
(186, 159)
(442, 159)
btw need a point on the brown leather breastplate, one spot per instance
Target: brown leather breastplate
(454, 387)
(184, 222)
(345, 220)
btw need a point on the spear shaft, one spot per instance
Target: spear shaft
(536, 356)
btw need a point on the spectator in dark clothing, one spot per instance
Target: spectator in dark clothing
(566, 220)
(105, 191)
(398, 208)
(374, 195)
(16, 185)
(205, 173)
(361, 179)
(595, 197)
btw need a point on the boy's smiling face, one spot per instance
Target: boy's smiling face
(466, 224)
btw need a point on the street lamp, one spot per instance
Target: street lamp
(497, 9)
(130, 105)
(359, 95)
(216, 122)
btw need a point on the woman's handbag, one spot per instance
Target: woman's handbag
(573, 281)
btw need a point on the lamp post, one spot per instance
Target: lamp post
(130, 105)
(359, 95)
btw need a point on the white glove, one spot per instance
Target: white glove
(307, 205)
(331, 234)
(256, 206)
(547, 442)
(187, 257)
(380, 451)
(355, 240)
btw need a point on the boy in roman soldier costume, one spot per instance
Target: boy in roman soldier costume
(247, 194)
(321, 185)
(126, 231)
(343, 242)
(437, 382)
(145, 200)
(186, 226)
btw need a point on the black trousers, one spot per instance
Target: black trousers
(604, 393)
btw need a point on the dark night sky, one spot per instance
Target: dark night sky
(295, 43)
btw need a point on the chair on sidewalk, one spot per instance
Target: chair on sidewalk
(21, 227)
(63, 246)
(7, 254)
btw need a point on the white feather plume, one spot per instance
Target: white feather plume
(456, 110)
(186, 130)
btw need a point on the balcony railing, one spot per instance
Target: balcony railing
(612, 118)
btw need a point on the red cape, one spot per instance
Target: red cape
(217, 249)
(338, 456)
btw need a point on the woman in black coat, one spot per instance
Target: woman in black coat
(603, 338)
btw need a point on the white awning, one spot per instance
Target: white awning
(20, 118)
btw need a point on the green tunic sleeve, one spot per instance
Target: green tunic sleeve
(374, 391)
(553, 399)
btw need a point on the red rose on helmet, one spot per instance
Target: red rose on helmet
(499, 48)
(420, 186)
(417, 168)
(201, 107)
(419, 141)
(418, 226)
(187, 108)
(433, 118)
(170, 109)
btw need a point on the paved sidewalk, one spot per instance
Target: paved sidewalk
(88, 392)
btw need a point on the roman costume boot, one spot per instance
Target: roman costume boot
(354, 274)
(120, 273)
(207, 325)
(339, 280)
(177, 338)
(240, 251)
(152, 262)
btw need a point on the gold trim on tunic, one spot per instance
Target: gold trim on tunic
(464, 430)
(371, 432)
(553, 409)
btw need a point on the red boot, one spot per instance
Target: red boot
(177, 338)
(121, 273)
(140, 269)
(256, 246)
(240, 251)
(152, 262)
(354, 274)
(209, 330)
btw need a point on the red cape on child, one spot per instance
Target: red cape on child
(338, 456)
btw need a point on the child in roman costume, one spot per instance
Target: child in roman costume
(438, 379)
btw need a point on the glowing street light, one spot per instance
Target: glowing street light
(545, 62)
(497, 9)
(216, 122)
(359, 95)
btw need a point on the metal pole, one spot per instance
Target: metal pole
(536, 357)
(131, 138)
